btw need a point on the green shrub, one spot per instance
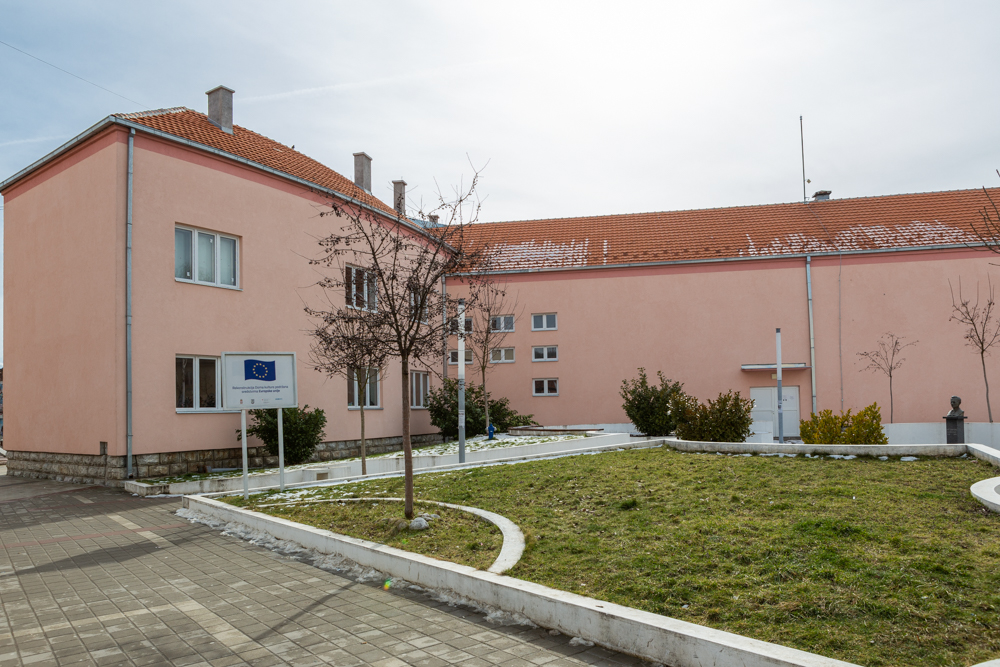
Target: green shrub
(648, 406)
(726, 419)
(826, 428)
(302, 428)
(442, 404)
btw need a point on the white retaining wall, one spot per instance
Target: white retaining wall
(929, 433)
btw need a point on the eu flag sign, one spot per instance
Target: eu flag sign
(254, 369)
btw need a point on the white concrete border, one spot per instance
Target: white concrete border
(644, 634)
(394, 465)
(513, 539)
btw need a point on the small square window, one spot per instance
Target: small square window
(545, 353)
(196, 383)
(453, 357)
(545, 387)
(205, 257)
(543, 322)
(502, 323)
(453, 325)
(502, 355)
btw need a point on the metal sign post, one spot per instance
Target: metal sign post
(461, 380)
(281, 450)
(243, 438)
(259, 380)
(781, 416)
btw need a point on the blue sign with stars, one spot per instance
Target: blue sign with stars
(254, 369)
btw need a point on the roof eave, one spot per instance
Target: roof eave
(115, 120)
(721, 260)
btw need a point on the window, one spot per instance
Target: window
(453, 325)
(502, 355)
(545, 353)
(360, 288)
(543, 322)
(197, 383)
(453, 357)
(502, 323)
(545, 387)
(205, 257)
(420, 385)
(414, 299)
(354, 391)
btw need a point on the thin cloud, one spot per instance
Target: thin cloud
(376, 83)
(31, 141)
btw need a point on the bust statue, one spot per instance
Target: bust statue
(956, 411)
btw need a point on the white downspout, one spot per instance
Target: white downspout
(812, 331)
(128, 310)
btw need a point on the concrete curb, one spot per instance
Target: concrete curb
(270, 481)
(644, 634)
(797, 448)
(513, 539)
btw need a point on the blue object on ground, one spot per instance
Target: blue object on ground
(491, 429)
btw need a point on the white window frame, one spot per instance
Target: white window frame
(453, 326)
(453, 357)
(352, 401)
(367, 273)
(504, 319)
(218, 256)
(420, 383)
(503, 353)
(545, 353)
(196, 375)
(545, 386)
(544, 317)
(424, 316)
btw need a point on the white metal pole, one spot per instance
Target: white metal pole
(781, 415)
(243, 438)
(461, 380)
(281, 450)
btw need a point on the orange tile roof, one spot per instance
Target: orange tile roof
(868, 223)
(194, 126)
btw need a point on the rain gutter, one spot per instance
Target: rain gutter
(812, 331)
(128, 310)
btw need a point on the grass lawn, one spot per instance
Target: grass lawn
(456, 536)
(873, 562)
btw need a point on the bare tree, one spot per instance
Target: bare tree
(987, 229)
(885, 359)
(350, 342)
(493, 317)
(400, 265)
(982, 326)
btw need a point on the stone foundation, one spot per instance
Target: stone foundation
(110, 470)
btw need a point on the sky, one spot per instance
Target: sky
(568, 108)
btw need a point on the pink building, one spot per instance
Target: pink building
(151, 243)
(699, 294)
(200, 227)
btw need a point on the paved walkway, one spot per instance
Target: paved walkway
(91, 575)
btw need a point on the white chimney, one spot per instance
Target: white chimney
(399, 197)
(363, 171)
(220, 108)
(822, 195)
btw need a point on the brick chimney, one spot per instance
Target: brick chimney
(399, 197)
(363, 171)
(220, 108)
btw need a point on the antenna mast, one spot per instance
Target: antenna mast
(802, 142)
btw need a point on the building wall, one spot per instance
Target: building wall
(65, 299)
(699, 323)
(64, 314)
(277, 224)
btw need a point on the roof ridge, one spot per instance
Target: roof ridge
(151, 112)
(734, 208)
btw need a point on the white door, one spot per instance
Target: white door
(765, 407)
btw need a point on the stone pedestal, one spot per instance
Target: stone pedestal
(954, 430)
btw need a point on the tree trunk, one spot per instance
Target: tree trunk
(486, 399)
(362, 399)
(364, 463)
(989, 410)
(407, 449)
(890, 398)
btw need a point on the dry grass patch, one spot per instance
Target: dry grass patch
(456, 536)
